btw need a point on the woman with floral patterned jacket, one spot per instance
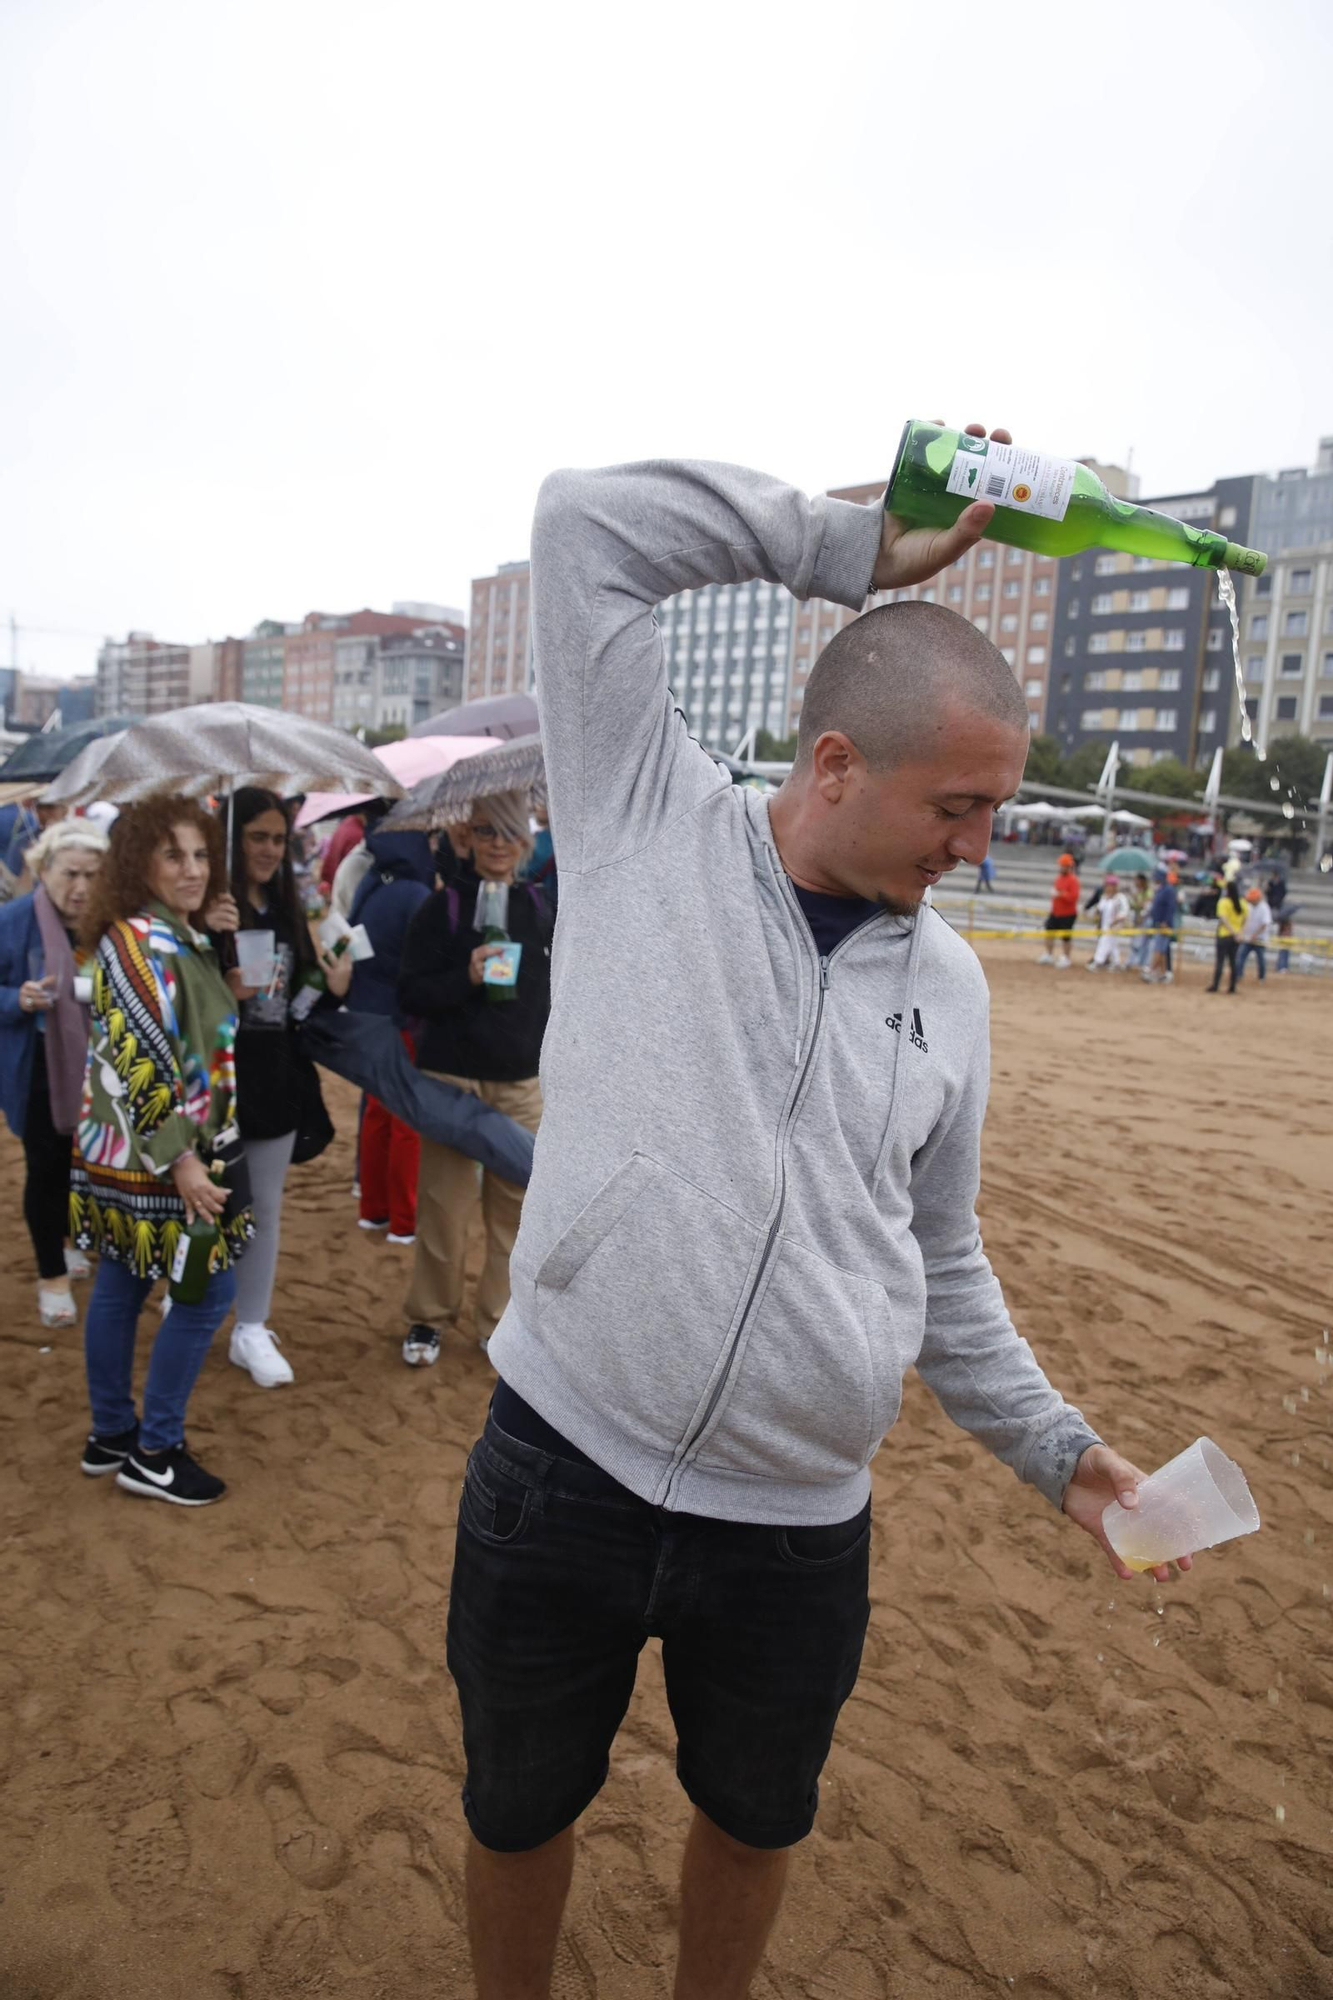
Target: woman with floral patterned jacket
(158, 1107)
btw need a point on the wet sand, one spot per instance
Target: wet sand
(230, 1752)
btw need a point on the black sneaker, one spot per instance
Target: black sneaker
(421, 1349)
(108, 1454)
(169, 1475)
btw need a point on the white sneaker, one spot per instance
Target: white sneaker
(365, 1222)
(1047, 958)
(256, 1349)
(76, 1264)
(391, 1238)
(1063, 964)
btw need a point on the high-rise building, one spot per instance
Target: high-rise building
(1287, 613)
(141, 675)
(262, 655)
(728, 647)
(499, 641)
(1143, 648)
(420, 673)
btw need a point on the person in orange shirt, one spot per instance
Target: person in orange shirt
(1065, 893)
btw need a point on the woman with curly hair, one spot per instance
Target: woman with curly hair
(158, 1109)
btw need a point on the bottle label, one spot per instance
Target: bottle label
(179, 1260)
(1027, 481)
(304, 1002)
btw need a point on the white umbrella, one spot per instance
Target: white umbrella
(217, 747)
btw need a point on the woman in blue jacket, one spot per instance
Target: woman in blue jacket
(44, 1045)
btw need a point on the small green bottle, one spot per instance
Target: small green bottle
(1052, 505)
(192, 1264)
(492, 920)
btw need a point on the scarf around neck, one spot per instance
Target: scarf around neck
(67, 1021)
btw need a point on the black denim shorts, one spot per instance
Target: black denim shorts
(561, 1575)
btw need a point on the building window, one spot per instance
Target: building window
(1071, 647)
(1254, 668)
(1066, 683)
(1292, 663)
(1091, 718)
(1009, 623)
(1101, 605)
(1136, 642)
(1036, 656)
(1099, 642)
(1013, 588)
(1263, 585)
(1131, 682)
(1207, 722)
(1042, 587)
(1325, 706)
(1178, 599)
(982, 624)
(1173, 639)
(1014, 556)
(1073, 609)
(1095, 681)
(983, 593)
(1300, 583)
(1032, 689)
(1286, 708)
(1212, 680)
(1007, 654)
(1259, 625)
(1216, 639)
(1129, 719)
(955, 593)
(1140, 600)
(1327, 667)
(1296, 624)
(1166, 718)
(1227, 518)
(1106, 566)
(1168, 680)
(985, 558)
(1038, 621)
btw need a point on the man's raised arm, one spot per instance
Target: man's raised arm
(606, 547)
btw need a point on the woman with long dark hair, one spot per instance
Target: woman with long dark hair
(158, 1117)
(275, 1081)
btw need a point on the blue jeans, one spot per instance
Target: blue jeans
(179, 1348)
(1243, 954)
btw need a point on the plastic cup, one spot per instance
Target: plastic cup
(1195, 1501)
(254, 957)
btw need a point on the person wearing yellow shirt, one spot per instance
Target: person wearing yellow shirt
(1230, 923)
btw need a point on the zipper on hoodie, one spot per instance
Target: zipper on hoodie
(784, 1133)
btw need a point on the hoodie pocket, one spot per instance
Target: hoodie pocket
(815, 1384)
(645, 1288)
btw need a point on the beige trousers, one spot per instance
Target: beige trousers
(449, 1188)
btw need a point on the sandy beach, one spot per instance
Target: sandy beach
(230, 1751)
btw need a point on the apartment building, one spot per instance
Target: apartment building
(141, 675)
(1287, 614)
(499, 637)
(728, 651)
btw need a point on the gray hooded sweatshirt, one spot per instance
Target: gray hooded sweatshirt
(752, 1205)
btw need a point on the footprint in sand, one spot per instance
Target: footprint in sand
(312, 1854)
(151, 1854)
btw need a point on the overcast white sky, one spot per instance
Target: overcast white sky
(301, 298)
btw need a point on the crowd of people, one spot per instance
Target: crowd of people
(153, 988)
(1138, 921)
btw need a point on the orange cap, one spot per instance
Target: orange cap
(1254, 895)
(1066, 860)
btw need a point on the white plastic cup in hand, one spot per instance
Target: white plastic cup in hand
(1196, 1500)
(254, 957)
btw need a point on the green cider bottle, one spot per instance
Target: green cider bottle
(192, 1264)
(492, 920)
(1052, 505)
(314, 985)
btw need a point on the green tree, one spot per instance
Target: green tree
(1083, 767)
(393, 733)
(1168, 776)
(1294, 761)
(769, 749)
(1045, 765)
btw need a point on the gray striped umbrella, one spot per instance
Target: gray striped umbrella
(511, 767)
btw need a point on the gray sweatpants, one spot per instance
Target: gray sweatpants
(268, 1160)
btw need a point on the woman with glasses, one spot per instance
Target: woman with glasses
(483, 1044)
(275, 1081)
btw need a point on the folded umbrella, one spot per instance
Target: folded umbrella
(508, 767)
(220, 745)
(368, 1050)
(48, 753)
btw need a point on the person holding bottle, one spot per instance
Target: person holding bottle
(276, 1084)
(158, 1115)
(487, 1039)
(44, 1045)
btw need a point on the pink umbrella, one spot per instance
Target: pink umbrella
(411, 760)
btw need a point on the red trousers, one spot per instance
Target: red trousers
(389, 1154)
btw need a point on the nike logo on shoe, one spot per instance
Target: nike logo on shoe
(158, 1478)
